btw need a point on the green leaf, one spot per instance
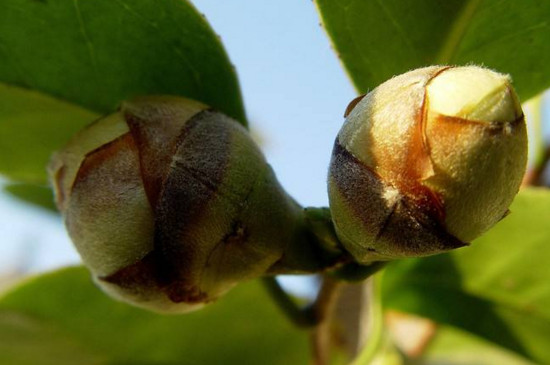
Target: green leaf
(497, 288)
(64, 316)
(377, 39)
(32, 126)
(35, 194)
(64, 62)
(451, 346)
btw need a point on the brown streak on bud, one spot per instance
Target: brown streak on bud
(60, 197)
(352, 104)
(136, 276)
(156, 128)
(97, 157)
(418, 165)
(412, 224)
(153, 159)
(146, 274)
(178, 292)
(428, 201)
(439, 72)
(494, 127)
(190, 184)
(237, 235)
(415, 232)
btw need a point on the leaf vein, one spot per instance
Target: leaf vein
(396, 25)
(504, 37)
(89, 44)
(130, 10)
(457, 32)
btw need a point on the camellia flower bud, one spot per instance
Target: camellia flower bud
(170, 204)
(426, 162)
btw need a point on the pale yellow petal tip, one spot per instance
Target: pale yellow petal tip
(474, 93)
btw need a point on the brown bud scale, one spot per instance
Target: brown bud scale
(171, 204)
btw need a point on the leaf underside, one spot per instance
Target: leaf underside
(62, 318)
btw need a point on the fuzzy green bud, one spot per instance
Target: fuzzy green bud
(170, 203)
(426, 162)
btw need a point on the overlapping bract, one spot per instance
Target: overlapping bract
(170, 204)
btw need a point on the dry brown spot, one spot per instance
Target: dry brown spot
(148, 274)
(60, 175)
(353, 104)
(237, 235)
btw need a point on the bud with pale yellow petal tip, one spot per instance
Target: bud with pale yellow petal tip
(426, 162)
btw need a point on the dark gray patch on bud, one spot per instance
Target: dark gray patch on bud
(195, 173)
(360, 186)
(156, 132)
(409, 231)
(186, 183)
(398, 227)
(147, 277)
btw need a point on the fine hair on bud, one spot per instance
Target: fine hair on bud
(426, 162)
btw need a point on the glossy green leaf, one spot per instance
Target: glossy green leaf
(451, 346)
(497, 288)
(377, 39)
(32, 126)
(62, 318)
(64, 62)
(34, 194)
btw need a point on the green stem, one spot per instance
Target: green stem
(376, 323)
(354, 272)
(317, 249)
(314, 248)
(301, 316)
(323, 309)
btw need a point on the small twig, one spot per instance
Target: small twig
(315, 316)
(325, 299)
(301, 316)
(372, 336)
(339, 268)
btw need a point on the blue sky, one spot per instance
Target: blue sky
(295, 90)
